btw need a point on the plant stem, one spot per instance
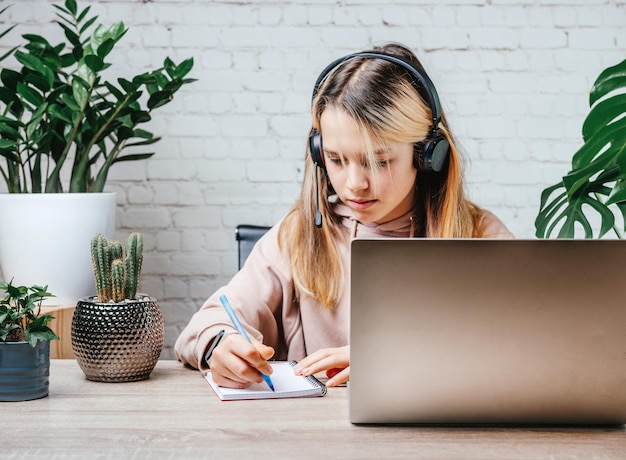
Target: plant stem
(96, 136)
(57, 170)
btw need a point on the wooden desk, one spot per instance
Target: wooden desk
(175, 414)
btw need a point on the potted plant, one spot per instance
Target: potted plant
(596, 185)
(24, 343)
(62, 119)
(117, 335)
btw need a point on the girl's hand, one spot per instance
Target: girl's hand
(236, 363)
(335, 361)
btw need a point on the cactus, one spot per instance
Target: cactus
(116, 250)
(134, 260)
(116, 273)
(101, 262)
(117, 280)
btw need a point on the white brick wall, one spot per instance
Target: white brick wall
(513, 76)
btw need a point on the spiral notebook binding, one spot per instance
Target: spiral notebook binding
(312, 379)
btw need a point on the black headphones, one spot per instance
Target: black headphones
(428, 155)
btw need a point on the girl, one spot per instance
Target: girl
(388, 167)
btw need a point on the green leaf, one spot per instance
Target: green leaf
(140, 117)
(34, 124)
(183, 68)
(38, 81)
(618, 194)
(596, 155)
(70, 102)
(30, 94)
(30, 61)
(44, 335)
(56, 112)
(8, 131)
(82, 14)
(169, 66)
(547, 209)
(574, 215)
(81, 84)
(146, 142)
(95, 63)
(36, 39)
(88, 24)
(159, 99)
(134, 157)
(105, 48)
(143, 134)
(7, 144)
(101, 34)
(622, 209)
(123, 133)
(609, 80)
(127, 85)
(603, 114)
(72, 37)
(10, 78)
(69, 59)
(114, 91)
(71, 6)
(567, 213)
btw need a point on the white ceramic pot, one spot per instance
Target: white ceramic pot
(45, 239)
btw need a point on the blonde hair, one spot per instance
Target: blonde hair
(384, 102)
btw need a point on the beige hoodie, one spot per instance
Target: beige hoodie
(262, 294)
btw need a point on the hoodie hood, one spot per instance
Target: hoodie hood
(401, 227)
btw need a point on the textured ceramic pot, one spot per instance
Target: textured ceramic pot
(24, 370)
(117, 342)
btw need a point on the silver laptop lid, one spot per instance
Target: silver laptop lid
(488, 331)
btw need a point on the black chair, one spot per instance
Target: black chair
(247, 236)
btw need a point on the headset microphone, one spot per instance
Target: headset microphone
(318, 214)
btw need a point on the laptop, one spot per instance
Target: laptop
(485, 331)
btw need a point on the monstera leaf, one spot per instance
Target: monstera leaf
(596, 185)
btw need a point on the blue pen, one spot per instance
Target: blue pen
(242, 332)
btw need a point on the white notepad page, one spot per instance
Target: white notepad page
(286, 384)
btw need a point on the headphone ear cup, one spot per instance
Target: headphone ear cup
(431, 154)
(315, 146)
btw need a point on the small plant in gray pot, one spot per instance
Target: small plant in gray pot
(117, 335)
(24, 343)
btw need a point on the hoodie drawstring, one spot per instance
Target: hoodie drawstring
(355, 224)
(413, 218)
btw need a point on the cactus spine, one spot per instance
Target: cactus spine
(116, 273)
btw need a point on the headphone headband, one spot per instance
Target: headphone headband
(420, 77)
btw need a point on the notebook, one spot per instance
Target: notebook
(286, 385)
(487, 331)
